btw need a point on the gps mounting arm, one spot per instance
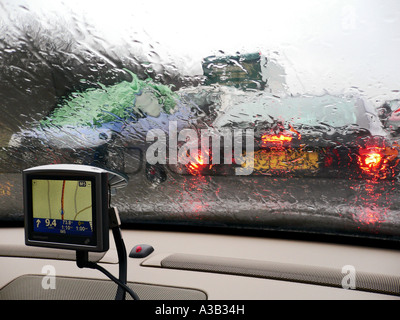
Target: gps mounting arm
(82, 260)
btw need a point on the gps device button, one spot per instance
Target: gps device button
(141, 251)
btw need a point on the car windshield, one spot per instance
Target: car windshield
(269, 116)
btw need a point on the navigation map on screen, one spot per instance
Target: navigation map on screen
(62, 206)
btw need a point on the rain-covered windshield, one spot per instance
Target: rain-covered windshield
(259, 115)
(298, 110)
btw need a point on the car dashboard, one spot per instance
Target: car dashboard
(187, 265)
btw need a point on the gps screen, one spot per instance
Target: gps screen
(62, 206)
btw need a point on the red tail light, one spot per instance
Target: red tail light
(197, 164)
(284, 137)
(377, 161)
(276, 138)
(371, 159)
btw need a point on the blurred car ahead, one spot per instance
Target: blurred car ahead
(318, 136)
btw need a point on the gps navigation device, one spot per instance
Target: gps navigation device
(66, 206)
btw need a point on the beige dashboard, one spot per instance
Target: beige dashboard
(202, 266)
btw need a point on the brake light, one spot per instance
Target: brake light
(378, 162)
(272, 138)
(371, 159)
(283, 137)
(197, 164)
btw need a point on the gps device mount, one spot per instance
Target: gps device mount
(68, 207)
(82, 258)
